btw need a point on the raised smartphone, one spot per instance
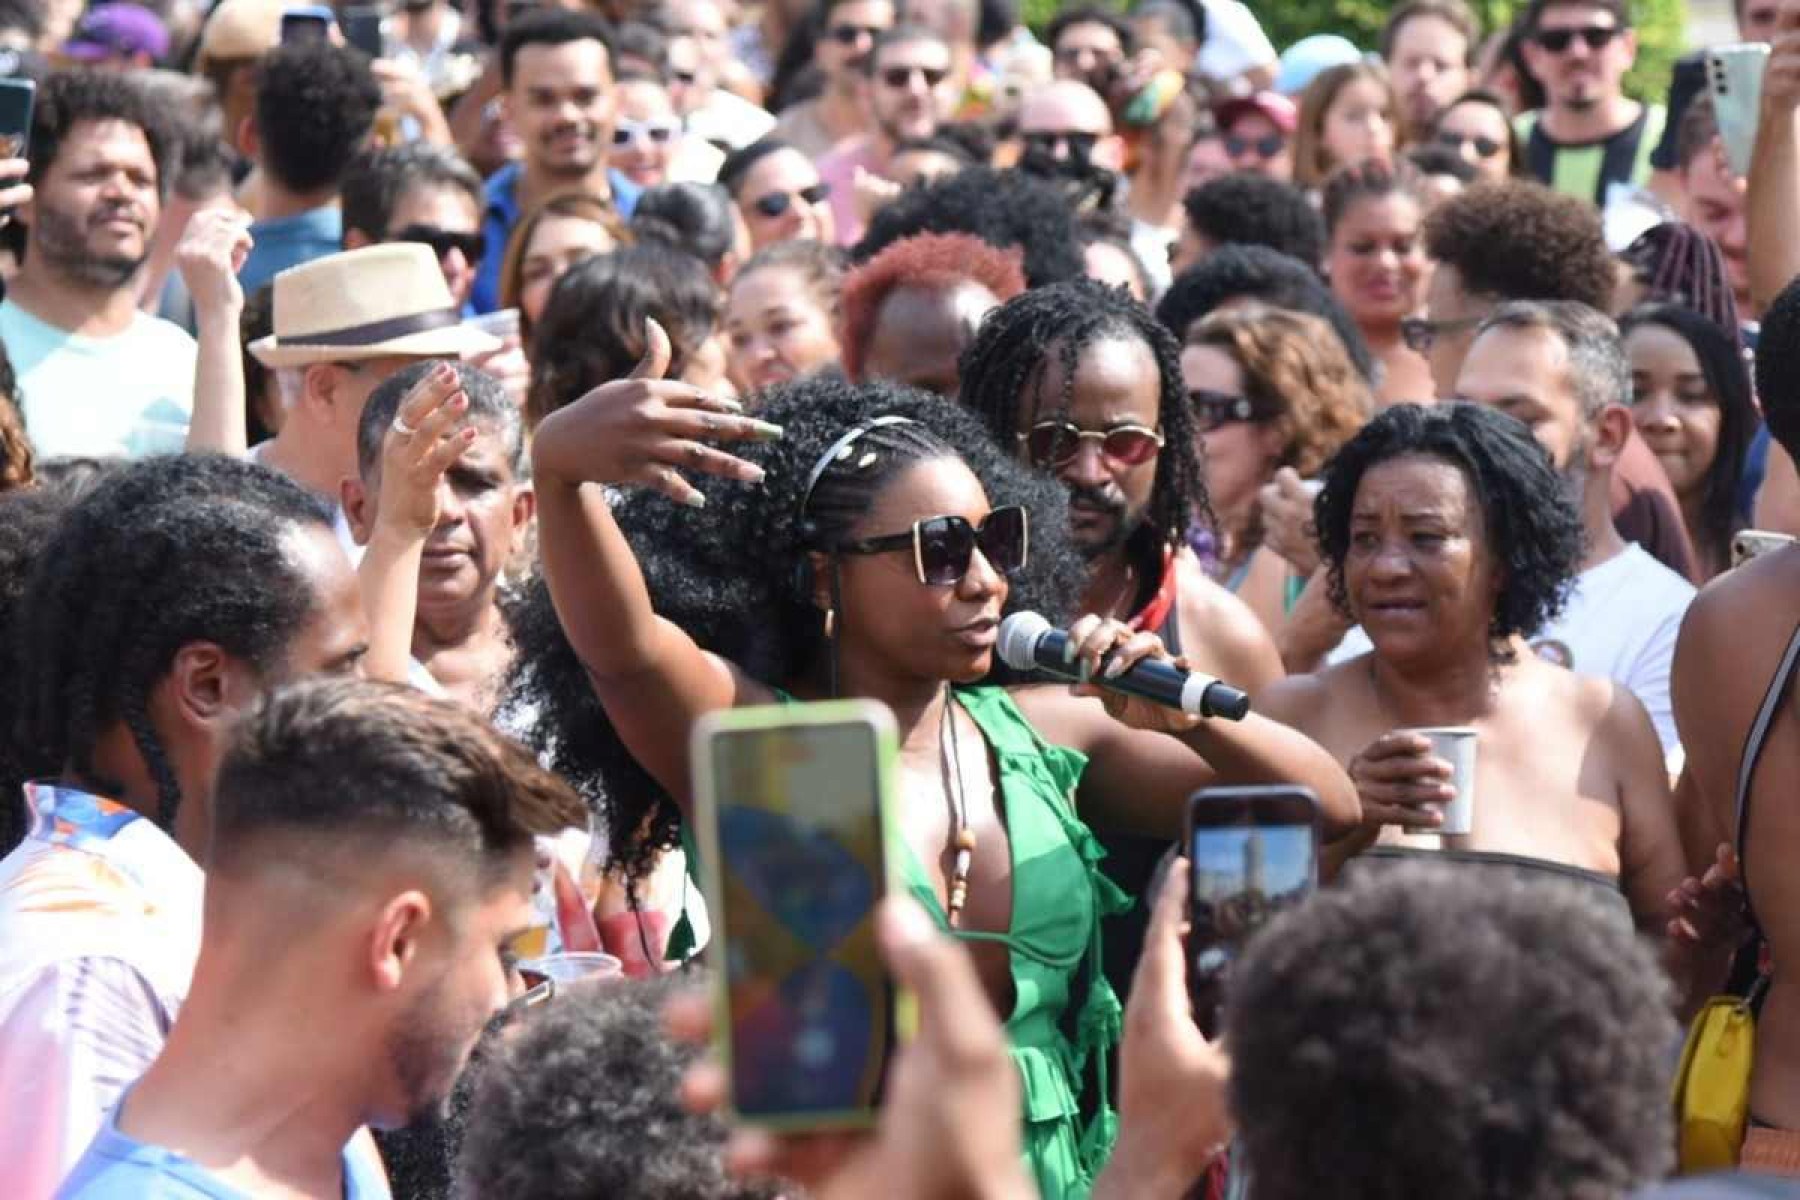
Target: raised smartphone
(793, 806)
(1747, 544)
(1734, 81)
(362, 29)
(1252, 851)
(16, 98)
(306, 23)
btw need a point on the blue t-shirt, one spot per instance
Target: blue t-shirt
(289, 241)
(503, 213)
(119, 1167)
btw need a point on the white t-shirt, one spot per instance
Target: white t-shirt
(130, 394)
(1235, 41)
(1620, 624)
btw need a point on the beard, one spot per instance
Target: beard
(1124, 522)
(426, 1052)
(61, 237)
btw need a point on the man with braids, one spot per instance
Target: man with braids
(168, 599)
(1085, 383)
(868, 561)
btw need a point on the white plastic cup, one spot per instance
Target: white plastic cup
(1455, 744)
(576, 964)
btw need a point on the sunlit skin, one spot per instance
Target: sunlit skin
(1252, 127)
(784, 173)
(450, 209)
(1457, 313)
(775, 330)
(1673, 408)
(920, 333)
(1240, 456)
(1717, 206)
(913, 108)
(1474, 121)
(557, 243)
(1358, 124)
(1583, 84)
(561, 106)
(1429, 65)
(644, 109)
(1377, 266)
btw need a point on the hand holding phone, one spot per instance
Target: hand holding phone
(1734, 80)
(307, 23)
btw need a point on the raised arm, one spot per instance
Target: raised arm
(652, 678)
(212, 249)
(1773, 199)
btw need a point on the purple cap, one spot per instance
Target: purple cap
(108, 30)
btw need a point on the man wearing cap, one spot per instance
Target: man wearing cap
(343, 324)
(118, 37)
(232, 43)
(98, 376)
(1259, 131)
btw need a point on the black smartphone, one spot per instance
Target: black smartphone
(306, 23)
(16, 98)
(1252, 851)
(792, 807)
(362, 29)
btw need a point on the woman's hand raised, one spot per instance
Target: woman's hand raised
(1105, 649)
(1400, 783)
(645, 430)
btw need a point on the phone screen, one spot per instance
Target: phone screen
(1252, 853)
(301, 26)
(362, 30)
(16, 97)
(801, 852)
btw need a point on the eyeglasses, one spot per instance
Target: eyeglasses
(1420, 334)
(1078, 146)
(1056, 443)
(659, 133)
(1214, 410)
(849, 35)
(473, 246)
(899, 77)
(944, 547)
(1266, 147)
(776, 203)
(1075, 56)
(1485, 147)
(1558, 40)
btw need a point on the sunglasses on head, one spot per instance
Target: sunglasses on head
(944, 547)
(1558, 40)
(1267, 146)
(660, 133)
(776, 203)
(899, 77)
(442, 241)
(1056, 443)
(849, 35)
(1215, 410)
(1485, 147)
(1079, 146)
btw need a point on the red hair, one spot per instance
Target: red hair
(928, 260)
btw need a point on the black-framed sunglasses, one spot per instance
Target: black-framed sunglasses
(1266, 147)
(1421, 334)
(776, 203)
(1056, 443)
(442, 241)
(1078, 146)
(849, 35)
(944, 547)
(1558, 40)
(899, 77)
(1485, 147)
(1215, 410)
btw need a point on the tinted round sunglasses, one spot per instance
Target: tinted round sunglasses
(1056, 443)
(944, 547)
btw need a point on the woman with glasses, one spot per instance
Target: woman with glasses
(779, 194)
(1347, 116)
(864, 544)
(1376, 263)
(1475, 126)
(1269, 389)
(781, 315)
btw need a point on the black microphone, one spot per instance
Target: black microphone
(1028, 642)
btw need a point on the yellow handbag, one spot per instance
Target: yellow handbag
(1712, 1086)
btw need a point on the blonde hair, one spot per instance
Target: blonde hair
(1298, 379)
(1312, 164)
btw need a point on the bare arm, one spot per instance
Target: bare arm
(212, 249)
(1773, 200)
(1650, 855)
(1313, 628)
(652, 678)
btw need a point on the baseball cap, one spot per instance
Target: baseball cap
(1308, 58)
(111, 29)
(241, 29)
(1277, 108)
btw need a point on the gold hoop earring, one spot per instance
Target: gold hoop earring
(830, 623)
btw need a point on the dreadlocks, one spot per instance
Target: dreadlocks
(1005, 368)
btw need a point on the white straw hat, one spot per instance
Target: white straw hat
(367, 303)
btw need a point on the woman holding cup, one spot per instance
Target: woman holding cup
(1447, 535)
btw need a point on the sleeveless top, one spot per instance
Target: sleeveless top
(1059, 897)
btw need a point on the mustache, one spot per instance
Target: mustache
(1096, 497)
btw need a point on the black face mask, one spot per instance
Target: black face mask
(1084, 185)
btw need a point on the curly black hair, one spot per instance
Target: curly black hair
(165, 552)
(1258, 273)
(1428, 1030)
(1006, 364)
(1247, 209)
(1778, 368)
(69, 98)
(315, 104)
(1521, 241)
(1533, 525)
(583, 1099)
(696, 217)
(728, 579)
(1002, 208)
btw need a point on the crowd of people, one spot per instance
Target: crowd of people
(415, 421)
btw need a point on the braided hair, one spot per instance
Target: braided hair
(1004, 367)
(729, 576)
(165, 552)
(1677, 264)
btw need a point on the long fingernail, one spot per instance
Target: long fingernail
(1086, 672)
(1114, 669)
(764, 431)
(1069, 648)
(728, 404)
(755, 474)
(694, 500)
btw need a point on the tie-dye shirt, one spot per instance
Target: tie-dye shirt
(99, 931)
